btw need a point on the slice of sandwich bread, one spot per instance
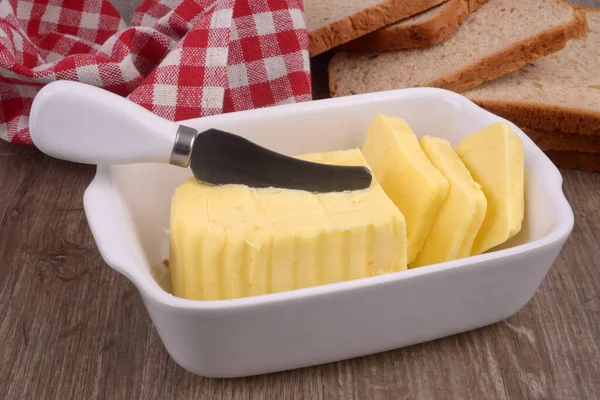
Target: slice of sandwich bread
(575, 160)
(561, 141)
(560, 92)
(498, 38)
(422, 30)
(568, 150)
(334, 22)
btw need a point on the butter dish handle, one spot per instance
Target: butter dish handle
(108, 219)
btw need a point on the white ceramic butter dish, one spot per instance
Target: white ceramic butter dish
(128, 206)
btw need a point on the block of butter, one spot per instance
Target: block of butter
(233, 241)
(494, 156)
(416, 187)
(462, 214)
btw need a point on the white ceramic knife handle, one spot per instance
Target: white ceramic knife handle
(82, 123)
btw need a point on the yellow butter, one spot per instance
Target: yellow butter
(462, 214)
(232, 241)
(415, 186)
(494, 156)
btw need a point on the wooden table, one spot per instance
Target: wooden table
(72, 328)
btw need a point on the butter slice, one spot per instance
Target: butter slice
(233, 241)
(415, 186)
(494, 156)
(462, 214)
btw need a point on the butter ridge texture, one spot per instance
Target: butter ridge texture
(233, 241)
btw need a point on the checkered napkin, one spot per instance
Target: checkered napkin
(179, 58)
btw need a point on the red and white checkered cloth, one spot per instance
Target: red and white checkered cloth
(180, 58)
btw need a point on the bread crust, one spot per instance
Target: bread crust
(502, 62)
(561, 141)
(575, 160)
(514, 57)
(546, 117)
(365, 21)
(414, 36)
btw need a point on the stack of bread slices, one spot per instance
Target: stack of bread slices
(534, 62)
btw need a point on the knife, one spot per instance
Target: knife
(82, 123)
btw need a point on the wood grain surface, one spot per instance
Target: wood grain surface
(72, 328)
